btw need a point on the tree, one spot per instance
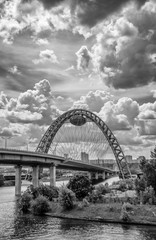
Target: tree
(149, 170)
(80, 185)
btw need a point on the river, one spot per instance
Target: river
(29, 227)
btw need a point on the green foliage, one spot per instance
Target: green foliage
(125, 216)
(40, 205)
(122, 185)
(149, 170)
(140, 185)
(127, 207)
(25, 202)
(102, 189)
(67, 198)
(50, 192)
(80, 185)
(149, 196)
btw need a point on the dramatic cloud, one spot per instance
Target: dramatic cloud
(84, 57)
(122, 54)
(120, 115)
(93, 101)
(32, 106)
(46, 55)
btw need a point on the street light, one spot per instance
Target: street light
(6, 139)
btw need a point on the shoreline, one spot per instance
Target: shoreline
(102, 220)
(99, 212)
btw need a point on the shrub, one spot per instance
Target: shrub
(24, 202)
(125, 216)
(95, 197)
(67, 198)
(80, 185)
(102, 189)
(127, 207)
(40, 205)
(33, 191)
(50, 192)
(149, 196)
(140, 185)
(122, 185)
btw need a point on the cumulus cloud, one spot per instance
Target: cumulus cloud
(147, 111)
(122, 53)
(120, 115)
(46, 55)
(41, 41)
(83, 58)
(93, 101)
(32, 106)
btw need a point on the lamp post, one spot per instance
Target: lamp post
(6, 140)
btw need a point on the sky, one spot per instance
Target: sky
(99, 55)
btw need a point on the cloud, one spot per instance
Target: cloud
(147, 111)
(93, 101)
(3, 100)
(14, 70)
(33, 106)
(41, 41)
(120, 115)
(46, 55)
(6, 132)
(122, 53)
(84, 57)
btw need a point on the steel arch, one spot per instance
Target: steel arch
(49, 135)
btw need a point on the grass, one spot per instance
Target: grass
(142, 214)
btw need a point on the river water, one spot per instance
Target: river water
(29, 227)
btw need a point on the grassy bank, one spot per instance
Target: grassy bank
(140, 214)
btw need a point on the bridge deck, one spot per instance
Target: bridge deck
(27, 158)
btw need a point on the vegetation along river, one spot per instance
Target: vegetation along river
(29, 227)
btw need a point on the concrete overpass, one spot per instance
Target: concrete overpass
(35, 160)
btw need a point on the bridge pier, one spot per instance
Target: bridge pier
(103, 175)
(53, 175)
(96, 175)
(35, 176)
(18, 180)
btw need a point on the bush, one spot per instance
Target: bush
(102, 189)
(50, 192)
(125, 216)
(122, 186)
(67, 198)
(127, 207)
(80, 185)
(149, 196)
(40, 205)
(140, 185)
(24, 202)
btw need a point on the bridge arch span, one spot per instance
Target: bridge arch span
(81, 115)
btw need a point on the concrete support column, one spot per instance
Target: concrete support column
(35, 176)
(89, 176)
(18, 180)
(53, 175)
(96, 175)
(103, 176)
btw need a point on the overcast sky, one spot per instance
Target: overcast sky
(94, 54)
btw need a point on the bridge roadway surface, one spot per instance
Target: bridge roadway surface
(27, 158)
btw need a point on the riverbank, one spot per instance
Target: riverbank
(108, 213)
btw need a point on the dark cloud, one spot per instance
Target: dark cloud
(47, 3)
(89, 12)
